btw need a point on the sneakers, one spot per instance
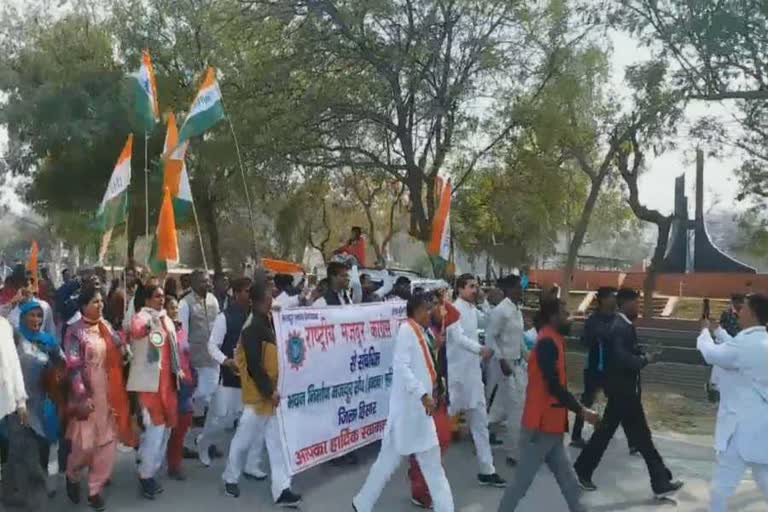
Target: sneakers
(579, 443)
(418, 503)
(231, 490)
(586, 484)
(288, 499)
(664, 490)
(149, 488)
(257, 475)
(96, 503)
(493, 480)
(73, 491)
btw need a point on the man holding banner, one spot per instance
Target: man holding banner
(410, 429)
(257, 363)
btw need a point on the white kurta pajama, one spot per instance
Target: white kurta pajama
(466, 391)
(504, 334)
(409, 430)
(742, 416)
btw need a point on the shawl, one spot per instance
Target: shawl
(40, 337)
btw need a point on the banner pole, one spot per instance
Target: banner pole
(199, 235)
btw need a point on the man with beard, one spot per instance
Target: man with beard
(466, 391)
(545, 417)
(624, 360)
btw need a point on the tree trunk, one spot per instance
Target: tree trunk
(580, 232)
(209, 221)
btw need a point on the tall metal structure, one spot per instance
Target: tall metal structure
(706, 256)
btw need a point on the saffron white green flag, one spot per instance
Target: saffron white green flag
(114, 206)
(206, 110)
(176, 178)
(145, 92)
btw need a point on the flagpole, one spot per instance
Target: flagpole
(199, 234)
(125, 265)
(146, 188)
(242, 172)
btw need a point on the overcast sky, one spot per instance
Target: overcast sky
(657, 185)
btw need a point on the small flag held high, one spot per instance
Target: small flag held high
(439, 248)
(114, 206)
(32, 264)
(176, 178)
(147, 107)
(207, 109)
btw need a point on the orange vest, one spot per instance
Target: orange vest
(543, 412)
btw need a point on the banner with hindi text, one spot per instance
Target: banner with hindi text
(335, 378)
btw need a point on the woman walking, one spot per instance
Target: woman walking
(186, 390)
(31, 432)
(98, 410)
(155, 374)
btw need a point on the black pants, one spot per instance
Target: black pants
(627, 410)
(43, 451)
(593, 383)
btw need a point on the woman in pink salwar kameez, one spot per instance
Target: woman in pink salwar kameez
(98, 403)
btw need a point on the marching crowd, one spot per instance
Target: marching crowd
(168, 368)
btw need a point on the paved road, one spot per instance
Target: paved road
(622, 480)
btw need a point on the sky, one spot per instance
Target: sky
(656, 185)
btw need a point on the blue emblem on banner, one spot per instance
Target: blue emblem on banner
(296, 351)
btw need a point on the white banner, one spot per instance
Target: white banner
(335, 377)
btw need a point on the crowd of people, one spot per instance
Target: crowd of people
(168, 368)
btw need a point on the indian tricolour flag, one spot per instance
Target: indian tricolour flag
(114, 207)
(175, 177)
(206, 110)
(439, 248)
(147, 107)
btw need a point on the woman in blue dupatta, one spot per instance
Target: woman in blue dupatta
(30, 438)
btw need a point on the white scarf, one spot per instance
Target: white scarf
(12, 391)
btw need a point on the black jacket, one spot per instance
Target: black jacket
(596, 329)
(624, 358)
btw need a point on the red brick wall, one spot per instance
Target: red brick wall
(714, 285)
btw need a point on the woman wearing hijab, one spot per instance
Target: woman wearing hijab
(155, 374)
(30, 436)
(98, 408)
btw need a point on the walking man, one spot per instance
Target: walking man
(624, 360)
(545, 417)
(227, 404)
(257, 364)
(466, 391)
(504, 335)
(742, 417)
(410, 428)
(197, 313)
(593, 338)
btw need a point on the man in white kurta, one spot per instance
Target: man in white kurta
(466, 391)
(504, 335)
(410, 428)
(742, 417)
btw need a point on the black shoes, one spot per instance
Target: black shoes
(149, 488)
(494, 440)
(579, 443)
(493, 480)
(189, 454)
(511, 462)
(664, 490)
(586, 483)
(73, 491)
(96, 503)
(231, 490)
(289, 499)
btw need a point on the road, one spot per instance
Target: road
(622, 480)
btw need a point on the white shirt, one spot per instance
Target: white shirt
(412, 430)
(13, 394)
(465, 378)
(505, 330)
(286, 301)
(742, 415)
(218, 333)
